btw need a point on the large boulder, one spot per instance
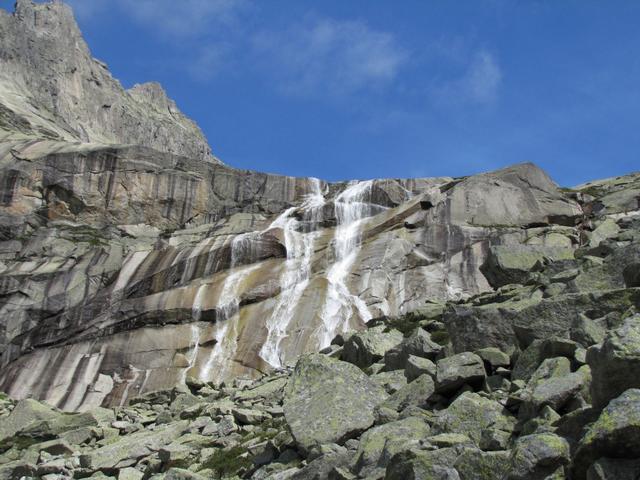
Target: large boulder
(474, 464)
(615, 434)
(26, 413)
(555, 392)
(329, 401)
(537, 457)
(367, 347)
(457, 370)
(518, 195)
(418, 465)
(470, 414)
(507, 264)
(614, 469)
(513, 320)
(418, 344)
(615, 364)
(382, 442)
(414, 394)
(37, 420)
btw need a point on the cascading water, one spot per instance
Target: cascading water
(228, 308)
(195, 346)
(351, 208)
(294, 281)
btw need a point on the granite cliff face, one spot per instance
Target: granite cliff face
(51, 87)
(482, 327)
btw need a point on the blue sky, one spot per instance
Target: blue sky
(344, 89)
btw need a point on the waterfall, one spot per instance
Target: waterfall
(228, 307)
(294, 280)
(351, 208)
(194, 345)
(196, 308)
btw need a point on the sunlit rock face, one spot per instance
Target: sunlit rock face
(127, 268)
(126, 278)
(51, 87)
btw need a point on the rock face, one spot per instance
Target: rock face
(616, 362)
(51, 87)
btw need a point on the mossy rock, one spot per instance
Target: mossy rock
(329, 401)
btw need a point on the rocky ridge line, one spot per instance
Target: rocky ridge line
(51, 87)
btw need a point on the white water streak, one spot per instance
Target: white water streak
(226, 331)
(351, 208)
(294, 281)
(194, 345)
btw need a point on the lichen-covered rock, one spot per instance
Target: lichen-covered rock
(513, 263)
(531, 358)
(365, 348)
(320, 467)
(26, 413)
(457, 370)
(417, 465)
(495, 357)
(555, 392)
(586, 332)
(615, 364)
(418, 343)
(327, 400)
(379, 444)
(416, 366)
(615, 434)
(414, 394)
(614, 469)
(471, 414)
(536, 457)
(474, 464)
(391, 381)
(132, 448)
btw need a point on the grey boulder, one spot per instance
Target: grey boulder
(329, 401)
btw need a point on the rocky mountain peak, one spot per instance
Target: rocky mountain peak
(51, 86)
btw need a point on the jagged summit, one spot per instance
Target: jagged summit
(51, 87)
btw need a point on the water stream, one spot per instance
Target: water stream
(351, 208)
(297, 271)
(228, 309)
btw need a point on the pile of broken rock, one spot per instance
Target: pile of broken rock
(375, 405)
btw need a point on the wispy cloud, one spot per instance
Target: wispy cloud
(324, 55)
(183, 18)
(483, 78)
(208, 61)
(478, 82)
(317, 56)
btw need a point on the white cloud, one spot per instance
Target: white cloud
(183, 18)
(478, 83)
(209, 61)
(483, 78)
(324, 55)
